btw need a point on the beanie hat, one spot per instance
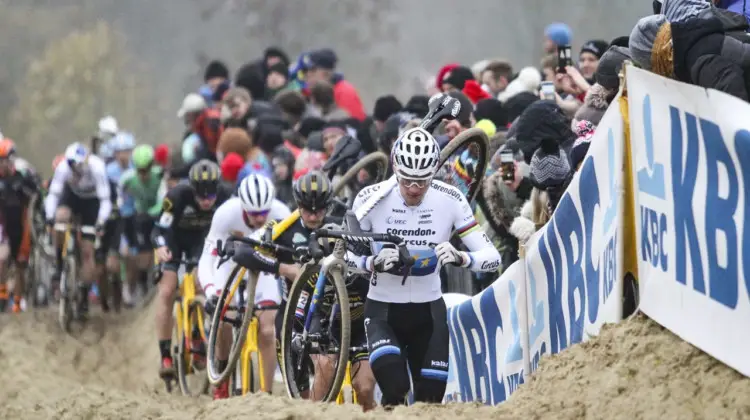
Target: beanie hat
(518, 103)
(418, 105)
(642, 39)
(281, 68)
(608, 72)
(549, 165)
(493, 110)
(596, 47)
(161, 154)
(458, 77)
(215, 69)
(441, 74)
(559, 33)
(474, 92)
(594, 105)
(276, 52)
(585, 131)
(385, 106)
(487, 126)
(230, 166)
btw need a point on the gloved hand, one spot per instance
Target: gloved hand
(447, 254)
(386, 259)
(253, 260)
(211, 303)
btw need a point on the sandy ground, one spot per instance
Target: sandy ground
(633, 370)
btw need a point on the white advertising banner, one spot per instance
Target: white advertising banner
(573, 264)
(691, 167)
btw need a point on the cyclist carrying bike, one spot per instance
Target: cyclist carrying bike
(79, 189)
(186, 215)
(242, 216)
(142, 183)
(405, 319)
(18, 184)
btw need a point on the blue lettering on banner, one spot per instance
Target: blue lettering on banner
(515, 350)
(613, 165)
(534, 362)
(464, 316)
(536, 308)
(722, 258)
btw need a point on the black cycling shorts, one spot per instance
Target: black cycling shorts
(143, 226)
(86, 210)
(186, 245)
(129, 231)
(110, 240)
(413, 332)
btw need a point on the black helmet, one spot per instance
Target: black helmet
(313, 191)
(204, 177)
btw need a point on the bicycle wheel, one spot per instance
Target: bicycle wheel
(465, 171)
(191, 372)
(298, 350)
(68, 290)
(241, 322)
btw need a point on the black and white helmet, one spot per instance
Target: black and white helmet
(256, 193)
(415, 154)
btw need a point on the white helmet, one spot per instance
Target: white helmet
(76, 155)
(108, 126)
(415, 154)
(256, 193)
(122, 141)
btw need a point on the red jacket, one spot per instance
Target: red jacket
(347, 98)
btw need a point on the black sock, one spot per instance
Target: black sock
(165, 348)
(222, 364)
(58, 259)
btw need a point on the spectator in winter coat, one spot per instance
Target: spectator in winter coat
(320, 66)
(322, 98)
(540, 120)
(588, 59)
(496, 76)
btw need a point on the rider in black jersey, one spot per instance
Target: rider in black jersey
(106, 255)
(313, 195)
(186, 216)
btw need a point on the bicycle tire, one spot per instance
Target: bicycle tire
(196, 306)
(287, 355)
(214, 376)
(68, 289)
(475, 136)
(363, 163)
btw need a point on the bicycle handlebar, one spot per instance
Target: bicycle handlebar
(225, 251)
(404, 257)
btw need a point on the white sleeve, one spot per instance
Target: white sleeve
(361, 263)
(220, 230)
(103, 192)
(56, 187)
(207, 269)
(482, 254)
(279, 210)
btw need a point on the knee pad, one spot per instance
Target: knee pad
(429, 390)
(390, 373)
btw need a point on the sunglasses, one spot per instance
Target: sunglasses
(262, 213)
(408, 183)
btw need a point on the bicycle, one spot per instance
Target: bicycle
(70, 308)
(189, 333)
(347, 394)
(331, 270)
(249, 376)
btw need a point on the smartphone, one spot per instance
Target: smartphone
(564, 58)
(548, 90)
(507, 165)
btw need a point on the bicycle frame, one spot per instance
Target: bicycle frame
(187, 296)
(332, 262)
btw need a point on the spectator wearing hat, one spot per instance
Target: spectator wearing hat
(277, 80)
(320, 65)
(216, 72)
(273, 56)
(588, 59)
(608, 72)
(418, 105)
(491, 109)
(455, 79)
(556, 35)
(230, 168)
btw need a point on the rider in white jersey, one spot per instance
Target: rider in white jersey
(406, 319)
(244, 215)
(80, 187)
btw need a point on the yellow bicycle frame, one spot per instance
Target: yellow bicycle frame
(283, 225)
(182, 315)
(250, 346)
(347, 395)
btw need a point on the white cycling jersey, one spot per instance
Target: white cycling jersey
(92, 183)
(443, 209)
(229, 220)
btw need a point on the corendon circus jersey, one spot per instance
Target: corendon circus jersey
(423, 227)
